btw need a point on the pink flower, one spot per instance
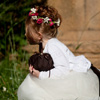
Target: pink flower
(50, 20)
(30, 13)
(51, 24)
(39, 21)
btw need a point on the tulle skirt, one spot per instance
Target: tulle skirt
(74, 86)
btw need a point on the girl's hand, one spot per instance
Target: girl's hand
(34, 71)
(30, 69)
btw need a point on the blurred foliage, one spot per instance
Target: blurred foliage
(14, 63)
(12, 19)
(12, 73)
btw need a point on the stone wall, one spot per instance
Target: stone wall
(80, 27)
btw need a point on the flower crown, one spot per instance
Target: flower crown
(40, 20)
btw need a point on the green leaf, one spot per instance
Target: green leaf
(78, 46)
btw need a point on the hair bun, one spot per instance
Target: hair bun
(50, 12)
(44, 19)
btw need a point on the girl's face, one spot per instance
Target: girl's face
(33, 37)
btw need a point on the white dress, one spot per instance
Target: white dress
(74, 86)
(71, 79)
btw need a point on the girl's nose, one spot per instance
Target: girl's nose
(25, 34)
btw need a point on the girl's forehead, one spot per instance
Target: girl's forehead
(30, 30)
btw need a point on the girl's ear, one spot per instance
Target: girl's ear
(40, 35)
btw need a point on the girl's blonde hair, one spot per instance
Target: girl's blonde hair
(44, 28)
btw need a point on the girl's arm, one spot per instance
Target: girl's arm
(34, 71)
(61, 64)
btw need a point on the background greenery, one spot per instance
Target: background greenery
(13, 60)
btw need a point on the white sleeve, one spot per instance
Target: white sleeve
(61, 64)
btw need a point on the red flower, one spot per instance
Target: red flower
(51, 24)
(33, 14)
(39, 21)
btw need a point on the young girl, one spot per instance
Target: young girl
(71, 77)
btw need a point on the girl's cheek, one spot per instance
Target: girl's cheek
(25, 34)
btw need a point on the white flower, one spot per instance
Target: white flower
(46, 20)
(4, 88)
(58, 22)
(10, 78)
(34, 17)
(33, 10)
